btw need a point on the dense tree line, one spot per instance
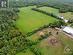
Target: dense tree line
(11, 39)
(22, 3)
(61, 5)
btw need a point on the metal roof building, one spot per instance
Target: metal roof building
(68, 30)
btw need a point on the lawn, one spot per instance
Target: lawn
(30, 20)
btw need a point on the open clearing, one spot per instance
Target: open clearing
(30, 20)
(50, 10)
(46, 48)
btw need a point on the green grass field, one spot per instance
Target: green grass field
(30, 20)
(50, 10)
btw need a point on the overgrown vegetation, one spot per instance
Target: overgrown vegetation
(63, 6)
(11, 39)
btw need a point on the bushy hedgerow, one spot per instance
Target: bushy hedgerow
(47, 13)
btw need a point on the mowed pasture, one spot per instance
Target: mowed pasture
(50, 10)
(30, 20)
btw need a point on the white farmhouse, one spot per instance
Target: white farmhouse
(68, 30)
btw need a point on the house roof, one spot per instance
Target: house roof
(68, 30)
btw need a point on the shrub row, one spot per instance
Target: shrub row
(47, 13)
(51, 25)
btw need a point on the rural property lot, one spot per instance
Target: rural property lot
(46, 47)
(30, 20)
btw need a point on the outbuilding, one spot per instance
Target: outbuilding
(68, 30)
